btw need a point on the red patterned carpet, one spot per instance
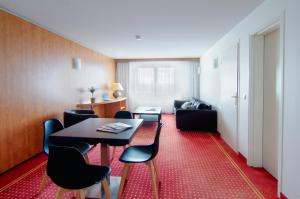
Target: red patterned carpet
(192, 165)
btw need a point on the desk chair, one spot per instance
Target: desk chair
(142, 154)
(75, 116)
(51, 126)
(120, 115)
(68, 170)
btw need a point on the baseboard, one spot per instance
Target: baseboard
(282, 196)
(217, 133)
(243, 157)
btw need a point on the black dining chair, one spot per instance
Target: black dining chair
(51, 126)
(68, 170)
(120, 115)
(142, 154)
(124, 115)
(75, 116)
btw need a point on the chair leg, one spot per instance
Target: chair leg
(113, 154)
(43, 182)
(153, 178)
(80, 194)
(128, 172)
(156, 170)
(86, 157)
(106, 188)
(123, 179)
(59, 193)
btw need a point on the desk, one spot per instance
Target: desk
(105, 109)
(85, 131)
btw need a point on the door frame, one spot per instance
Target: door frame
(256, 95)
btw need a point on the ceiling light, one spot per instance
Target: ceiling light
(138, 37)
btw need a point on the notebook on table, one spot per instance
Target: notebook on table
(114, 127)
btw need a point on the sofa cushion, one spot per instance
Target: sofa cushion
(204, 106)
(186, 105)
(199, 106)
(196, 104)
(198, 120)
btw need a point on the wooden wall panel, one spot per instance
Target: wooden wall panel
(37, 82)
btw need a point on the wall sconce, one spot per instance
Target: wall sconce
(216, 63)
(76, 64)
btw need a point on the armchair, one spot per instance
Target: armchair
(72, 117)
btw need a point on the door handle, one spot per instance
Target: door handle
(235, 97)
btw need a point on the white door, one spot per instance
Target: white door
(229, 96)
(270, 102)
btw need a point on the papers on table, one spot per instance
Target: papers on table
(114, 127)
(151, 109)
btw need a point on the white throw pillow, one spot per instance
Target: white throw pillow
(186, 105)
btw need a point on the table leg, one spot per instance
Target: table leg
(104, 148)
(105, 160)
(96, 191)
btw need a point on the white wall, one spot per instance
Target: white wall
(265, 14)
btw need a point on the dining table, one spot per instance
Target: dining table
(86, 131)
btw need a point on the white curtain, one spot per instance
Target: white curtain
(194, 67)
(159, 83)
(122, 76)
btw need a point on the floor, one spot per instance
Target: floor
(192, 165)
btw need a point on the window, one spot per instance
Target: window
(159, 83)
(145, 80)
(155, 80)
(165, 81)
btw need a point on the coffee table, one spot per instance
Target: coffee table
(145, 110)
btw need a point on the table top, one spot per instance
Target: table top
(86, 131)
(147, 110)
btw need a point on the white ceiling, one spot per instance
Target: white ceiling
(170, 28)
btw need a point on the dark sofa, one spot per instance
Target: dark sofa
(198, 117)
